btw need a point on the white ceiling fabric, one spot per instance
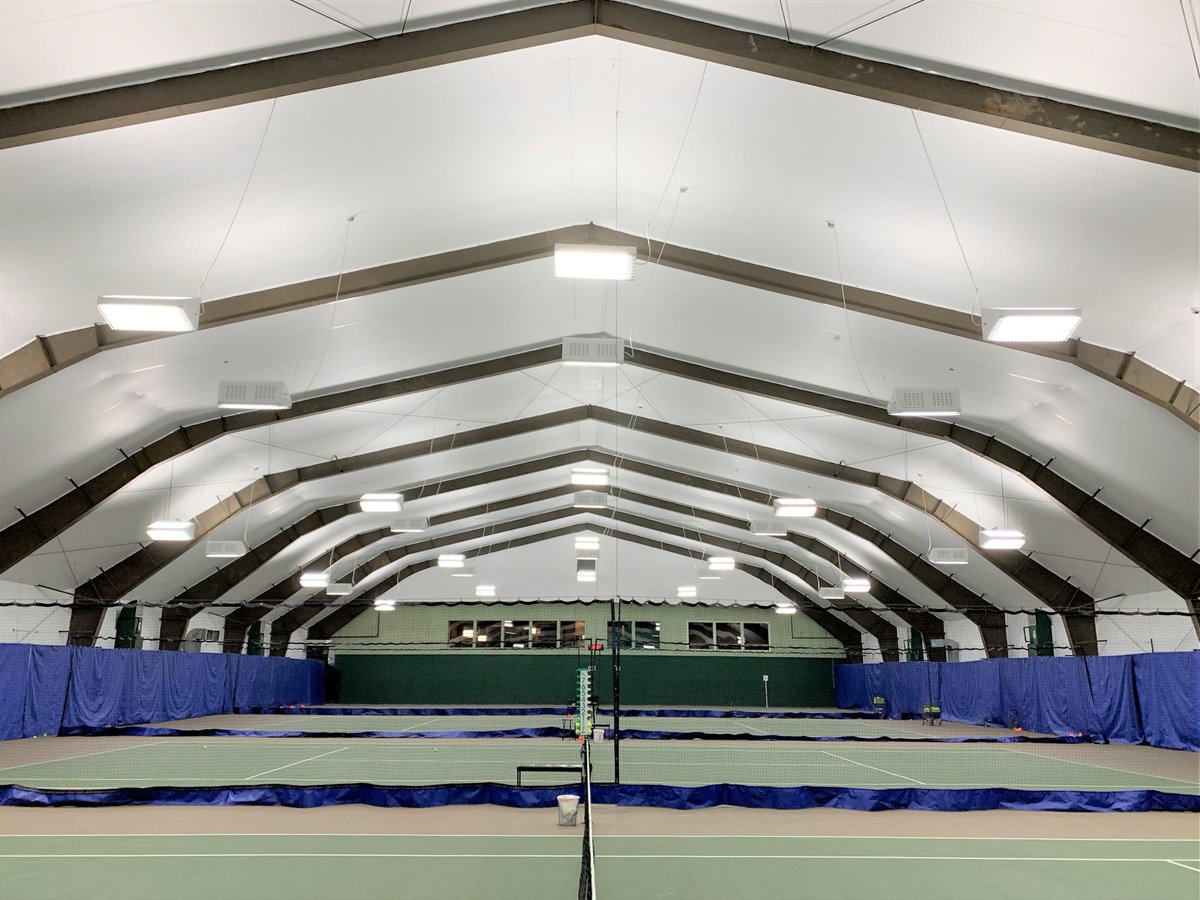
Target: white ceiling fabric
(595, 130)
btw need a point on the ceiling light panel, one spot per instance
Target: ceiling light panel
(314, 579)
(381, 502)
(1001, 539)
(339, 589)
(130, 312)
(600, 262)
(795, 507)
(856, 585)
(721, 563)
(589, 477)
(171, 530)
(464, 572)
(1031, 325)
(451, 561)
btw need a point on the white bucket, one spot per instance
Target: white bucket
(598, 735)
(568, 809)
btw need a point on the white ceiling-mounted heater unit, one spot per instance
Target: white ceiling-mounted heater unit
(831, 593)
(224, 549)
(409, 524)
(590, 500)
(253, 395)
(948, 556)
(584, 351)
(929, 402)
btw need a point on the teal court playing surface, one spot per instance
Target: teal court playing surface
(107, 762)
(544, 867)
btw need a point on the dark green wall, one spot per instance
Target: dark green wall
(548, 678)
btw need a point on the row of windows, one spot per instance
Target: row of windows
(511, 634)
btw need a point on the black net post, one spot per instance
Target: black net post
(614, 643)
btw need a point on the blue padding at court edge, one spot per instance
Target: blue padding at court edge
(639, 734)
(1151, 698)
(732, 714)
(288, 795)
(424, 711)
(1168, 691)
(751, 796)
(878, 799)
(52, 690)
(151, 731)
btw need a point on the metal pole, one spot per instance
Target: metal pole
(615, 615)
(766, 692)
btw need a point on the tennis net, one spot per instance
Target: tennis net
(587, 869)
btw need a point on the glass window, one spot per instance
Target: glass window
(570, 634)
(544, 635)
(488, 634)
(757, 635)
(621, 632)
(462, 634)
(700, 635)
(516, 635)
(729, 635)
(647, 635)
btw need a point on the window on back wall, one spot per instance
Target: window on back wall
(620, 633)
(462, 634)
(729, 635)
(570, 634)
(516, 635)
(700, 635)
(544, 635)
(647, 635)
(488, 634)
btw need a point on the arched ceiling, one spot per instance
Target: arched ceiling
(373, 227)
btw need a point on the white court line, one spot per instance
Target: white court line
(1109, 768)
(865, 766)
(43, 762)
(411, 727)
(601, 837)
(706, 856)
(298, 762)
(1181, 865)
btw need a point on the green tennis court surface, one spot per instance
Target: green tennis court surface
(93, 763)
(787, 727)
(191, 867)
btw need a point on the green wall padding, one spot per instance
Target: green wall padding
(548, 679)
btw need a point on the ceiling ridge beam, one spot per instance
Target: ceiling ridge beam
(912, 88)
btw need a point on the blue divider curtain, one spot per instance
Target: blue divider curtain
(1151, 698)
(53, 690)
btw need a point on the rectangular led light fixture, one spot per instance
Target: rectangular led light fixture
(1001, 539)
(130, 312)
(409, 524)
(464, 572)
(767, 527)
(585, 577)
(856, 585)
(385, 606)
(1031, 325)
(795, 507)
(586, 542)
(585, 351)
(929, 403)
(706, 574)
(590, 500)
(685, 591)
(721, 563)
(948, 556)
(485, 590)
(589, 477)
(594, 261)
(452, 561)
(171, 530)
(831, 593)
(785, 609)
(314, 579)
(383, 502)
(224, 549)
(339, 589)
(253, 395)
